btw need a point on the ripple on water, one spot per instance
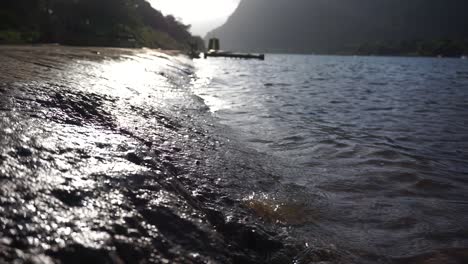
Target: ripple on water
(363, 129)
(432, 185)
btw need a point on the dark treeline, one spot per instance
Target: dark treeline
(124, 23)
(443, 47)
(426, 27)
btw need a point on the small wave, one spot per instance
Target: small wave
(257, 140)
(213, 103)
(335, 143)
(379, 109)
(289, 105)
(384, 163)
(386, 154)
(294, 138)
(277, 84)
(336, 102)
(427, 184)
(346, 154)
(318, 79)
(378, 83)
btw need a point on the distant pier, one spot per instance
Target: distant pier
(226, 54)
(214, 51)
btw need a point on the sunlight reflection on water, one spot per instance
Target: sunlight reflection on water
(71, 147)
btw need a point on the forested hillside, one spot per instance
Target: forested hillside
(128, 23)
(421, 27)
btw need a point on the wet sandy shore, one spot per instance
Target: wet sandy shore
(106, 157)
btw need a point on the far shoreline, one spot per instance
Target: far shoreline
(186, 52)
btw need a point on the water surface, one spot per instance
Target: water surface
(385, 140)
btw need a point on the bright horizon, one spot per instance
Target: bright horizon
(203, 15)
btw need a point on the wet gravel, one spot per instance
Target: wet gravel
(107, 157)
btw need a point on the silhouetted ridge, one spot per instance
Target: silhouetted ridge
(334, 26)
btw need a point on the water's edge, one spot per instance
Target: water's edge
(378, 144)
(106, 156)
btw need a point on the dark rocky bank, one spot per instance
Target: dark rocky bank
(106, 157)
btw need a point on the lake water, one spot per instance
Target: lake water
(385, 140)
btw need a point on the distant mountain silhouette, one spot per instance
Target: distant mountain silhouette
(340, 26)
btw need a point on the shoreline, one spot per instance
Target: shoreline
(94, 170)
(107, 156)
(182, 52)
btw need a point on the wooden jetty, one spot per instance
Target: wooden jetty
(227, 54)
(214, 51)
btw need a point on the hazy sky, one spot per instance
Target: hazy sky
(203, 15)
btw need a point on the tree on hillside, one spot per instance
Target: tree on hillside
(91, 22)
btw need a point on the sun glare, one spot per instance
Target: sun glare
(203, 15)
